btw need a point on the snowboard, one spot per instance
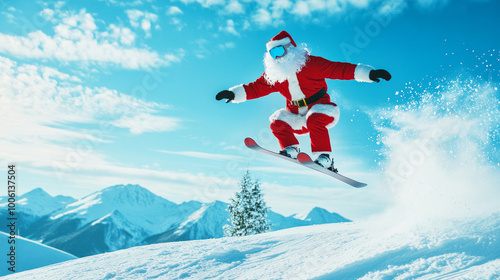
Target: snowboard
(304, 160)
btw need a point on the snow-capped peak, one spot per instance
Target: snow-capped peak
(39, 203)
(132, 195)
(321, 216)
(138, 205)
(38, 193)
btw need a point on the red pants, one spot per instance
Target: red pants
(316, 127)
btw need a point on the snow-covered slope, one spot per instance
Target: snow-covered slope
(30, 254)
(442, 249)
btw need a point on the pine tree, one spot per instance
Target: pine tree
(248, 210)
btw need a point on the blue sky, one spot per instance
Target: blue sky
(99, 93)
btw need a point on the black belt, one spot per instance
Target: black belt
(309, 100)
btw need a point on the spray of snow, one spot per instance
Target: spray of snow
(440, 150)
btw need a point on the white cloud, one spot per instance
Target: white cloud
(43, 111)
(47, 14)
(42, 96)
(393, 7)
(123, 35)
(205, 3)
(246, 25)
(234, 7)
(262, 17)
(174, 11)
(142, 19)
(178, 23)
(229, 28)
(279, 7)
(301, 8)
(203, 155)
(124, 3)
(141, 123)
(264, 13)
(432, 3)
(77, 39)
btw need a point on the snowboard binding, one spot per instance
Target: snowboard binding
(325, 161)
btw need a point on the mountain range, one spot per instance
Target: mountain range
(124, 216)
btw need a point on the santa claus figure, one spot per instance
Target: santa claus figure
(300, 78)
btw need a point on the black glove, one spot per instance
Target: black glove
(229, 95)
(375, 75)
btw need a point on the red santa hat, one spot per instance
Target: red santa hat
(281, 39)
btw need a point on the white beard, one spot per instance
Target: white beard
(278, 70)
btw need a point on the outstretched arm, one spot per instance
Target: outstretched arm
(366, 73)
(347, 71)
(241, 93)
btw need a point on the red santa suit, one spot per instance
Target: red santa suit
(314, 118)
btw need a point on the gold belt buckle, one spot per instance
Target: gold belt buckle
(297, 103)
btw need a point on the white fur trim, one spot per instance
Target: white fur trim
(297, 122)
(327, 109)
(281, 42)
(362, 73)
(240, 94)
(303, 111)
(294, 87)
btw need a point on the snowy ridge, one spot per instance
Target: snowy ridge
(31, 254)
(445, 249)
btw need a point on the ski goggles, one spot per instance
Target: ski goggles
(277, 51)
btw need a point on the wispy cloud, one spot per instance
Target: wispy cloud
(43, 104)
(174, 14)
(141, 123)
(393, 7)
(202, 155)
(432, 4)
(77, 39)
(227, 45)
(121, 3)
(174, 11)
(230, 27)
(205, 3)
